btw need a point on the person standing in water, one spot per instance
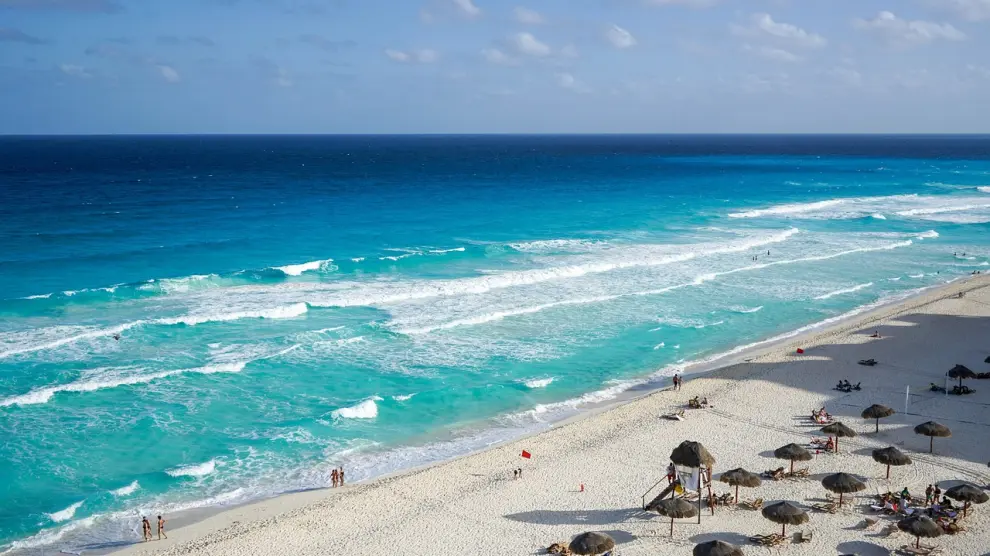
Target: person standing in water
(161, 528)
(334, 478)
(340, 475)
(145, 528)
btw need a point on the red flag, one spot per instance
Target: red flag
(800, 350)
(526, 454)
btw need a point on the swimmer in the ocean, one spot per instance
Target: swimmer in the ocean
(116, 337)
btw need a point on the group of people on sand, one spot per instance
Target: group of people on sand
(146, 529)
(677, 382)
(820, 416)
(337, 476)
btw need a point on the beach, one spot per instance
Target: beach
(758, 403)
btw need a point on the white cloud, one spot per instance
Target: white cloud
(422, 56)
(75, 71)
(770, 53)
(526, 43)
(763, 25)
(903, 32)
(467, 8)
(169, 74)
(496, 56)
(397, 55)
(972, 10)
(567, 81)
(688, 3)
(619, 37)
(527, 16)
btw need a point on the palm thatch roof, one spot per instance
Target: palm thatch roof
(785, 513)
(838, 429)
(740, 477)
(931, 428)
(716, 548)
(792, 452)
(890, 456)
(961, 371)
(877, 411)
(692, 454)
(677, 508)
(967, 493)
(592, 543)
(920, 526)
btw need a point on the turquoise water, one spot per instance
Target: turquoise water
(286, 305)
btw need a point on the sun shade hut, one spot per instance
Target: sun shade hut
(890, 456)
(877, 411)
(792, 452)
(592, 543)
(838, 430)
(740, 477)
(785, 513)
(932, 429)
(920, 526)
(968, 494)
(842, 483)
(676, 508)
(692, 455)
(716, 548)
(961, 372)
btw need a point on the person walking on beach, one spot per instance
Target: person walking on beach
(334, 478)
(340, 476)
(145, 528)
(161, 528)
(928, 495)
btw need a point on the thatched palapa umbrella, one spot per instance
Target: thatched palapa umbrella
(932, 429)
(693, 455)
(842, 483)
(785, 513)
(716, 548)
(792, 452)
(877, 411)
(920, 526)
(968, 494)
(592, 543)
(987, 360)
(740, 477)
(890, 456)
(838, 430)
(676, 508)
(961, 372)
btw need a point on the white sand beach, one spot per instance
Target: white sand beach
(472, 505)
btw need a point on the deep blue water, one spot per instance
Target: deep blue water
(286, 304)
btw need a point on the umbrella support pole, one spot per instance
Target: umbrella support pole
(931, 450)
(671, 527)
(737, 494)
(783, 530)
(878, 424)
(888, 470)
(699, 498)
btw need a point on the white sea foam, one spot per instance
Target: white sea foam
(941, 209)
(700, 326)
(42, 296)
(661, 345)
(402, 398)
(538, 382)
(895, 279)
(927, 235)
(922, 275)
(699, 280)
(983, 189)
(442, 251)
(280, 312)
(357, 259)
(47, 537)
(298, 269)
(557, 245)
(748, 310)
(782, 210)
(390, 293)
(845, 291)
(367, 409)
(193, 470)
(99, 379)
(878, 216)
(66, 514)
(126, 490)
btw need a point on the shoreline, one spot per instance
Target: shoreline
(196, 526)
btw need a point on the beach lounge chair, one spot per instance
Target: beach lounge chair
(868, 362)
(830, 508)
(798, 474)
(754, 505)
(801, 536)
(675, 416)
(870, 523)
(775, 474)
(767, 540)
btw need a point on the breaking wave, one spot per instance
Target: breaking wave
(845, 291)
(194, 470)
(367, 409)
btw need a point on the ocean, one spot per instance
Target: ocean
(190, 322)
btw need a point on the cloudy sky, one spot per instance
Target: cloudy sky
(494, 66)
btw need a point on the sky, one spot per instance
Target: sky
(494, 66)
